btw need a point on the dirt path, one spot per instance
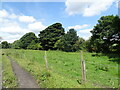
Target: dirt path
(25, 80)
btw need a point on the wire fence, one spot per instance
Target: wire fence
(76, 73)
(78, 77)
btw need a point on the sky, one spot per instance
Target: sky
(19, 18)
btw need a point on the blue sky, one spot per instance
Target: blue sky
(19, 18)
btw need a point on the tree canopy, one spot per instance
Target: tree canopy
(5, 45)
(50, 35)
(16, 44)
(106, 33)
(67, 42)
(27, 39)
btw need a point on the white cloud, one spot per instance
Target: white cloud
(9, 40)
(37, 26)
(3, 13)
(11, 29)
(85, 33)
(14, 30)
(26, 19)
(78, 26)
(87, 7)
(13, 16)
(12, 38)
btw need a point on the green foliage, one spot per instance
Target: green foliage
(27, 39)
(34, 46)
(103, 68)
(68, 41)
(79, 45)
(16, 44)
(0, 46)
(89, 45)
(5, 45)
(9, 79)
(106, 33)
(50, 35)
(65, 68)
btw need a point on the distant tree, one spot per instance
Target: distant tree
(5, 45)
(50, 35)
(67, 42)
(35, 46)
(27, 39)
(16, 44)
(79, 45)
(89, 46)
(106, 33)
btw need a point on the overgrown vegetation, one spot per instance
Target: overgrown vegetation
(106, 35)
(65, 68)
(9, 80)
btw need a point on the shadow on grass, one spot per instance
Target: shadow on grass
(97, 55)
(116, 60)
(114, 57)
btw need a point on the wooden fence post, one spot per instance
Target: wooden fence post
(46, 62)
(83, 69)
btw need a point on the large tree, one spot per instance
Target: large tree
(106, 33)
(50, 35)
(27, 39)
(68, 41)
(5, 45)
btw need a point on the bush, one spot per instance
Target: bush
(36, 46)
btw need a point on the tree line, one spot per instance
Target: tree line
(105, 38)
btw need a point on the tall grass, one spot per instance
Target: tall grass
(8, 77)
(65, 68)
(0, 69)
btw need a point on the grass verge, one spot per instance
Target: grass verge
(9, 79)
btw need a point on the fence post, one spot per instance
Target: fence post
(46, 62)
(83, 69)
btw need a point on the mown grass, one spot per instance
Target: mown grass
(65, 68)
(8, 78)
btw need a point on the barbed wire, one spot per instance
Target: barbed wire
(80, 76)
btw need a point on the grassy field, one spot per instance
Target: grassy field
(65, 68)
(8, 77)
(0, 69)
